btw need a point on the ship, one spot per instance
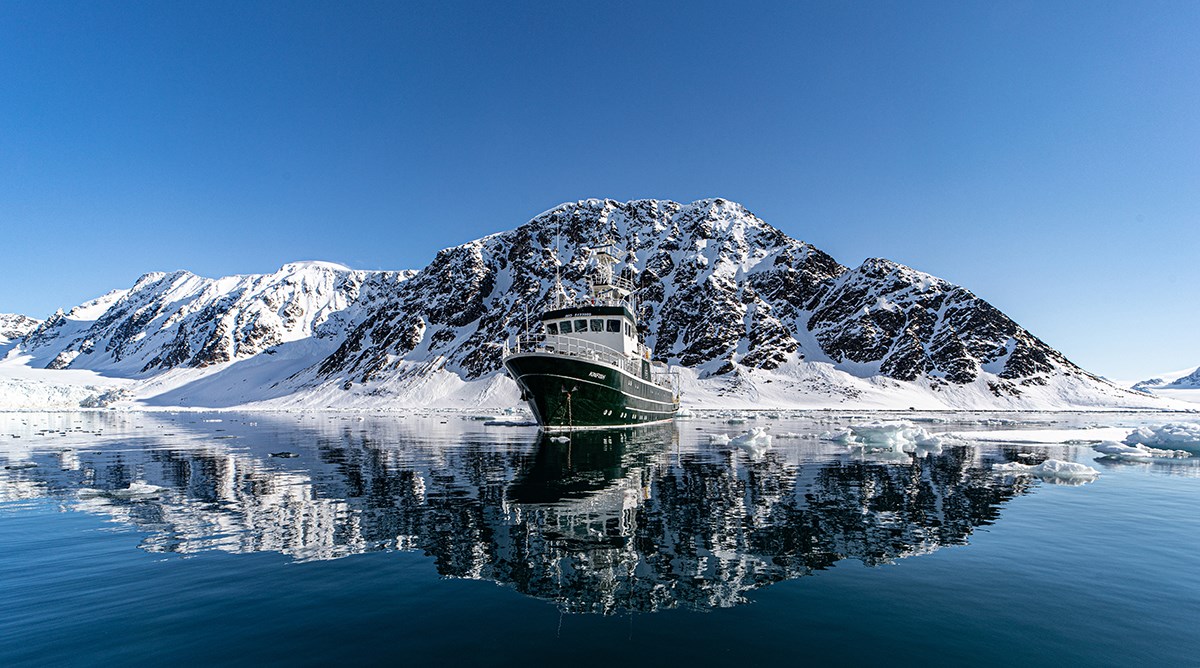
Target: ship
(585, 366)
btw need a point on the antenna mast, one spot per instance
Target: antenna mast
(559, 294)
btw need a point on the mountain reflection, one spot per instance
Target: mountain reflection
(610, 521)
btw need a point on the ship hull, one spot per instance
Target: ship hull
(567, 392)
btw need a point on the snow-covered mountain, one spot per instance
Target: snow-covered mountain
(750, 315)
(179, 319)
(15, 326)
(1188, 382)
(1177, 385)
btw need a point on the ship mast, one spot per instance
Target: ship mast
(607, 285)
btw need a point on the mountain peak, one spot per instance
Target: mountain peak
(312, 265)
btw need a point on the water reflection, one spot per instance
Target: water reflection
(610, 521)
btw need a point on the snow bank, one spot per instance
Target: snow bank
(1181, 435)
(1114, 450)
(1051, 469)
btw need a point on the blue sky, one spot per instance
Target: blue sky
(1045, 155)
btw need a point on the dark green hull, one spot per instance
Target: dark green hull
(568, 392)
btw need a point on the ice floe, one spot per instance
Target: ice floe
(1051, 469)
(895, 436)
(135, 490)
(512, 422)
(1139, 452)
(755, 441)
(1180, 435)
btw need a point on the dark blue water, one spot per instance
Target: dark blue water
(152, 539)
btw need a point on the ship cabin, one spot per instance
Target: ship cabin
(608, 326)
(601, 326)
(605, 333)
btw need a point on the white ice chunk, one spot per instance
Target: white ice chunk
(1137, 452)
(1051, 469)
(1180, 435)
(754, 435)
(136, 490)
(899, 436)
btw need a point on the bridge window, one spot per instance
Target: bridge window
(552, 328)
(580, 326)
(565, 326)
(628, 330)
(597, 325)
(614, 326)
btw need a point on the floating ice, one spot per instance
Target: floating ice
(899, 436)
(753, 435)
(510, 423)
(756, 441)
(1174, 434)
(719, 439)
(561, 439)
(1051, 469)
(136, 490)
(1139, 452)
(844, 436)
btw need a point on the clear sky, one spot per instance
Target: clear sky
(1045, 155)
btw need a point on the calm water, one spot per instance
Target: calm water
(180, 539)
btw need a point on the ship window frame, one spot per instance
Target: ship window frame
(612, 325)
(552, 328)
(565, 326)
(628, 330)
(596, 325)
(581, 330)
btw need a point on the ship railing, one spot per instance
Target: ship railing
(567, 302)
(618, 282)
(589, 350)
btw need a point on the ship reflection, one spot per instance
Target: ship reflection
(588, 462)
(608, 521)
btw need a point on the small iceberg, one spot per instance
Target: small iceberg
(1051, 469)
(1114, 450)
(561, 439)
(755, 441)
(1176, 435)
(136, 490)
(896, 436)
